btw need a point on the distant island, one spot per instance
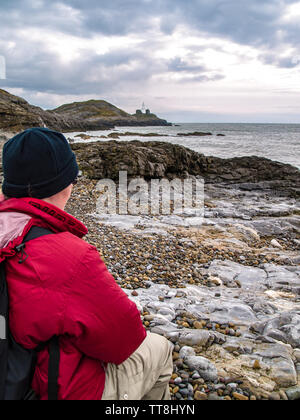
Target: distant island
(17, 115)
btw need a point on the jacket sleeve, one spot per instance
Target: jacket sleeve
(102, 322)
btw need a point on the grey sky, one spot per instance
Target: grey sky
(189, 60)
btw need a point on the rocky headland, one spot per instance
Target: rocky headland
(97, 112)
(16, 114)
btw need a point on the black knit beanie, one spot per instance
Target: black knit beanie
(37, 163)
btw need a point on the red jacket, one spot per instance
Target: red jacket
(64, 288)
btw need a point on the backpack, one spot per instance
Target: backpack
(17, 364)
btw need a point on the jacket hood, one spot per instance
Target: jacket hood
(12, 226)
(15, 215)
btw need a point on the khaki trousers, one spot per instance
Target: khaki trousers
(145, 375)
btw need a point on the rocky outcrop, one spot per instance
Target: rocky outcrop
(97, 112)
(16, 115)
(194, 134)
(160, 159)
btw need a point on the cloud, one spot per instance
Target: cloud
(177, 64)
(135, 48)
(282, 61)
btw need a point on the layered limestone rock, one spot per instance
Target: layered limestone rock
(160, 159)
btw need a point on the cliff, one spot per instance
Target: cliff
(16, 115)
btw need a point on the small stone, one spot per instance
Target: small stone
(275, 396)
(198, 325)
(283, 395)
(175, 356)
(148, 318)
(240, 397)
(275, 244)
(177, 348)
(232, 386)
(200, 396)
(184, 392)
(175, 390)
(134, 293)
(297, 355)
(214, 397)
(256, 365)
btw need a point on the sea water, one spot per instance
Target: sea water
(279, 142)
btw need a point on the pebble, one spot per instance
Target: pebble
(256, 365)
(198, 325)
(214, 397)
(232, 386)
(200, 396)
(240, 397)
(283, 395)
(275, 396)
(184, 392)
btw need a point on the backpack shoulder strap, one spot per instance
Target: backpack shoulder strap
(3, 331)
(36, 232)
(54, 352)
